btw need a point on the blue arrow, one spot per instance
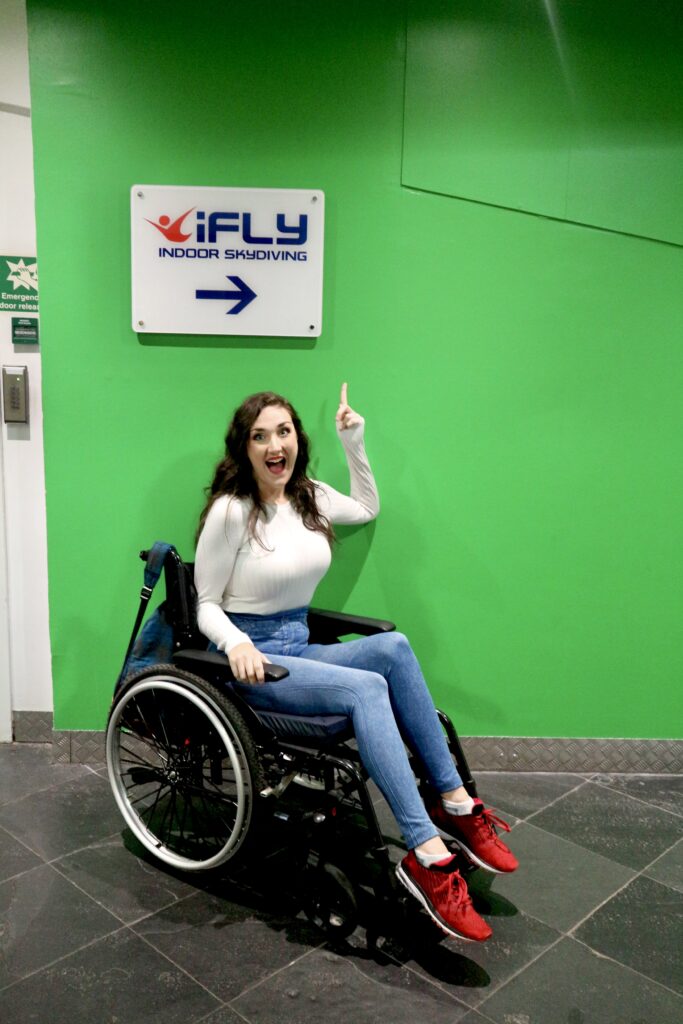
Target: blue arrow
(244, 294)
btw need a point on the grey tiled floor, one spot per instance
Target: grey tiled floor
(588, 931)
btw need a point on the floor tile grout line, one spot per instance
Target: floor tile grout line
(572, 938)
(584, 782)
(22, 843)
(647, 803)
(273, 974)
(366, 977)
(223, 1006)
(553, 927)
(54, 863)
(59, 959)
(620, 963)
(584, 849)
(520, 971)
(20, 874)
(61, 856)
(128, 924)
(178, 967)
(173, 903)
(25, 844)
(440, 986)
(638, 874)
(595, 853)
(240, 1015)
(437, 984)
(86, 894)
(81, 849)
(659, 857)
(484, 1016)
(45, 789)
(560, 935)
(422, 977)
(520, 819)
(570, 933)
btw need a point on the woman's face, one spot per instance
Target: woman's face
(272, 449)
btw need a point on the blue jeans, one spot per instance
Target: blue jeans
(375, 681)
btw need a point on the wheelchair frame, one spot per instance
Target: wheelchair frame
(196, 771)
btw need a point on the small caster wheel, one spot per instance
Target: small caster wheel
(329, 901)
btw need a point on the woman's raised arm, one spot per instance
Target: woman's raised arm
(362, 504)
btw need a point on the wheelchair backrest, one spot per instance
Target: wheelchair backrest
(181, 602)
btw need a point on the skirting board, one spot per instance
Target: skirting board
(32, 726)
(555, 754)
(484, 753)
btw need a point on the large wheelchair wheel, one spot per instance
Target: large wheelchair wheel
(183, 767)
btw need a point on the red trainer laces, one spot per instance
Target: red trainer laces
(494, 823)
(442, 891)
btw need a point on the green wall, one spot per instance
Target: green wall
(568, 108)
(521, 377)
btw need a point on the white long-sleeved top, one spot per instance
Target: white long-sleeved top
(235, 573)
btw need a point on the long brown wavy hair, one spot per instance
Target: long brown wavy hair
(234, 474)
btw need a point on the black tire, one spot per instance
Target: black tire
(183, 767)
(330, 901)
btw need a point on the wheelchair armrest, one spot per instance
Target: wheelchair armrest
(325, 624)
(215, 665)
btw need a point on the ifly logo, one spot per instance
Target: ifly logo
(172, 231)
(208, 227)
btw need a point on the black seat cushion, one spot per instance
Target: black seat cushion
(307, 730)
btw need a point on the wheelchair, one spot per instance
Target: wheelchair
(201, 778)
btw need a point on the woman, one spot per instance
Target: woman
(264, 545)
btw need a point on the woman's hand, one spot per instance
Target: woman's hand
(346, 417)
(247, 663)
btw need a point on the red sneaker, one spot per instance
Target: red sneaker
(476, 835)
(442, 891)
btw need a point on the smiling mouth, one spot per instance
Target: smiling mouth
(276, 466)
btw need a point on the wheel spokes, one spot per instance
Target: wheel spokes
(181, 773)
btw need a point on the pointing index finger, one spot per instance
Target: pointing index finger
(344, 390)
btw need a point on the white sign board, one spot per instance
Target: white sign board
(227, 260)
